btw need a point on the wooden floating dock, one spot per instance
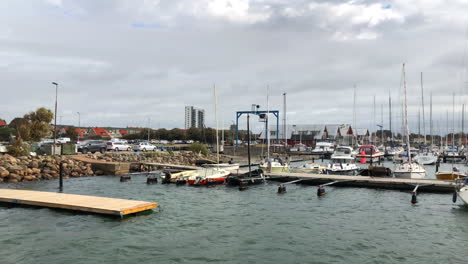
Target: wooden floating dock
(84, 203)
(425, 185)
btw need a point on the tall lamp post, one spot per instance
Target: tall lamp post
(79, 125)
(55, 116)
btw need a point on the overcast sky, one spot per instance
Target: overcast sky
(121, 62)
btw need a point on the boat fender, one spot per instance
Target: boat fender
(454, 197)
(414, 198)
(281, 188)
(320, 191)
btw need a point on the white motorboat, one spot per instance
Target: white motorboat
(408, 169)
(298, 147)
(323, 148)
(426, 158)
(394, 153)
(342, 162)
(274, 165)
(310, 168)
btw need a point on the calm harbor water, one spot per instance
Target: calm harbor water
(222, 225)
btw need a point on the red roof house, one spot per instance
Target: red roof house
(99, 131)
(3, 123)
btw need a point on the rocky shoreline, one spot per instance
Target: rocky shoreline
(36, 168)
(179, 157)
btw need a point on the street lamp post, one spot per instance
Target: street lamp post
(79, 125)
(55, 116)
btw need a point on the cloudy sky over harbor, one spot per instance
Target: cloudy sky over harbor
(120, 62)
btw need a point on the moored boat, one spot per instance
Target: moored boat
(426, 158)
(323, 149)
(310, 168)
(208, 176)
(408, 169)
(342, 162)
(274, 165)
(369, 154)
(450, 175)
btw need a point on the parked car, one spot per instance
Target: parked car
(188, 141)
(144, 146)
(164, 142)
(3, 148)
(92, 146)
(118, 146)
(46, 141)
(63, 140)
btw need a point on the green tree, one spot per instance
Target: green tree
(33, 126)
(194, 134)
(39, 124)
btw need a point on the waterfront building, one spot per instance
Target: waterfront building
(194, 117)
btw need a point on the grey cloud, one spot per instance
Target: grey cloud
(117, 74)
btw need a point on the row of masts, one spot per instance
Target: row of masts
(462, 140)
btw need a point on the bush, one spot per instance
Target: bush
(18, 148)
(198, 148)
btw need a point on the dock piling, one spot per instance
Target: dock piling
(61, 177)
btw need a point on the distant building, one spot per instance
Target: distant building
(3, 123)
(194, 117)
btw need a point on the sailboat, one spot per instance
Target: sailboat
(251, 177)
(214, 175)
(269, 164)
(408, 169)
(426, 156)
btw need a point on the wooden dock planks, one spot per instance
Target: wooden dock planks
(366, 181)
(84, 203)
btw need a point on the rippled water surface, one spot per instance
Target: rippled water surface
(222, 225)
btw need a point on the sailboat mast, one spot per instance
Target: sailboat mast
(216, 121)
(430, 123)
(267, 117)
(373, 125)
(447, 128)
(423, 112)
(381, 125)
(453, 120)
(284, 122)
(354, 115)
(419, 127)
(390, 115)
(406, 118)
(463, 126)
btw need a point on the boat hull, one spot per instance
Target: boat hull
(450, 176)
(207, 181)
(463, 194)
(274, 169)
(343, 172)
(410, 175)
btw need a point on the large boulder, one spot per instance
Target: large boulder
(4, 172)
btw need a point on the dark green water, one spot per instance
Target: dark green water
(222, 225)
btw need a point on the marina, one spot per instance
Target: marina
(233, 131)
